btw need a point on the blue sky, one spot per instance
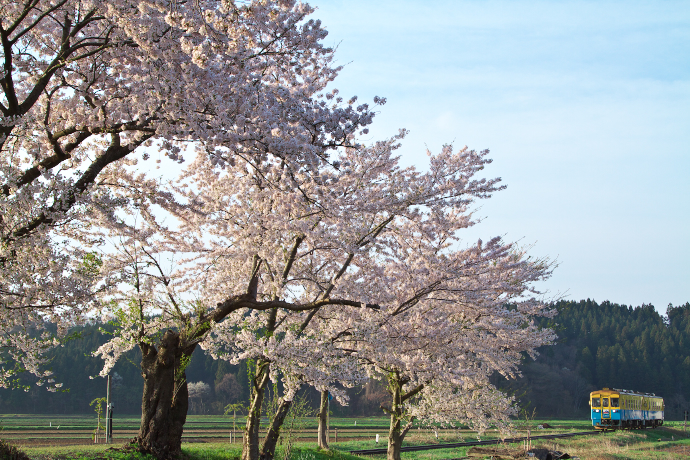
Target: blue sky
(585, 107)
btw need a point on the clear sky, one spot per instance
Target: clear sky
(585, 107)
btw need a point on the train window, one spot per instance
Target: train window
(596, 402)
(605, 402)
(614, 402)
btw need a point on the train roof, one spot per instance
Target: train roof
(626, 392)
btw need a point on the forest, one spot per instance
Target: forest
(599, 345)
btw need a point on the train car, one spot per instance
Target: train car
(615, 409)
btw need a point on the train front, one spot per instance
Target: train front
(605, 408)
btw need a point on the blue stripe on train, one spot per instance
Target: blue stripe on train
(619, 414)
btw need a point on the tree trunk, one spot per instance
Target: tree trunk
(268, 449)
(323, 420)
(396, 433)
(165, 399)
(250, 442)
(395, 438)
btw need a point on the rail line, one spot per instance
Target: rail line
(473, 443)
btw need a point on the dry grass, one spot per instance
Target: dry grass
(634, 445)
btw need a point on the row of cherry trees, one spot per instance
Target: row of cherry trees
(284, 240)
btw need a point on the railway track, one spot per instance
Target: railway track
(473, 443)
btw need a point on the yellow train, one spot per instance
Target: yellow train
(614, 408)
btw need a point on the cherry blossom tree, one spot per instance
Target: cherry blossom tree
(270, 223)
(453, 323)
(89, 84)
(450, 316)
(350, 208)
(268, 257)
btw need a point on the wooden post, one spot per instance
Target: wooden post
(336, 435)
(98, 430)
(108, 416)
(234, 425)
(328, 420)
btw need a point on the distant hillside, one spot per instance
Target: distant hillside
(599, 345)
(608, 345)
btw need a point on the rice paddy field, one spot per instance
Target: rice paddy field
(46, 437)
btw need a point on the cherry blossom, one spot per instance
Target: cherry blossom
(87, 85)
(284, 241)
(317, 274)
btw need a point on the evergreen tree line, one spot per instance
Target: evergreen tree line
(599, 345)
(213, 384)
(608, 345)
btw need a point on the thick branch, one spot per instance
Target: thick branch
(253, 288)
(412, 393)
(28, 6)
(7, 80)
(404, 431)
(412, 301)
(235, 303)
(114, 153)
(63, 58)
(292, 256)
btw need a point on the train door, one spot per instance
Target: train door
(605, 410)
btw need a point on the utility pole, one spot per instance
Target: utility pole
(328, 419)
(108, 416)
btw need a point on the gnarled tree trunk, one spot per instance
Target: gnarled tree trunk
(323, 420)
(250, 442)
(395, 438)
(165, 399)
(268, 449)
(396, 433)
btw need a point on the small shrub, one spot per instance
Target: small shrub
(10, 452)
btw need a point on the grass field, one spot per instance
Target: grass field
(207, 438)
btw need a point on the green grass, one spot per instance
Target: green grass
(95, 452)
(668, 441)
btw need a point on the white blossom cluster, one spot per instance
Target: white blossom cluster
(356, 269)
(90, 84)
(284, 241)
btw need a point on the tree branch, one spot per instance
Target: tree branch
(292, 256)
(412, 393)
(404, 431)
(114, 153)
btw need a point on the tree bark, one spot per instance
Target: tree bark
(394, 439)
(396, 433)
(250, 442)
(165, 399)
(268, 449)
(395, 436)
(323, 420)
